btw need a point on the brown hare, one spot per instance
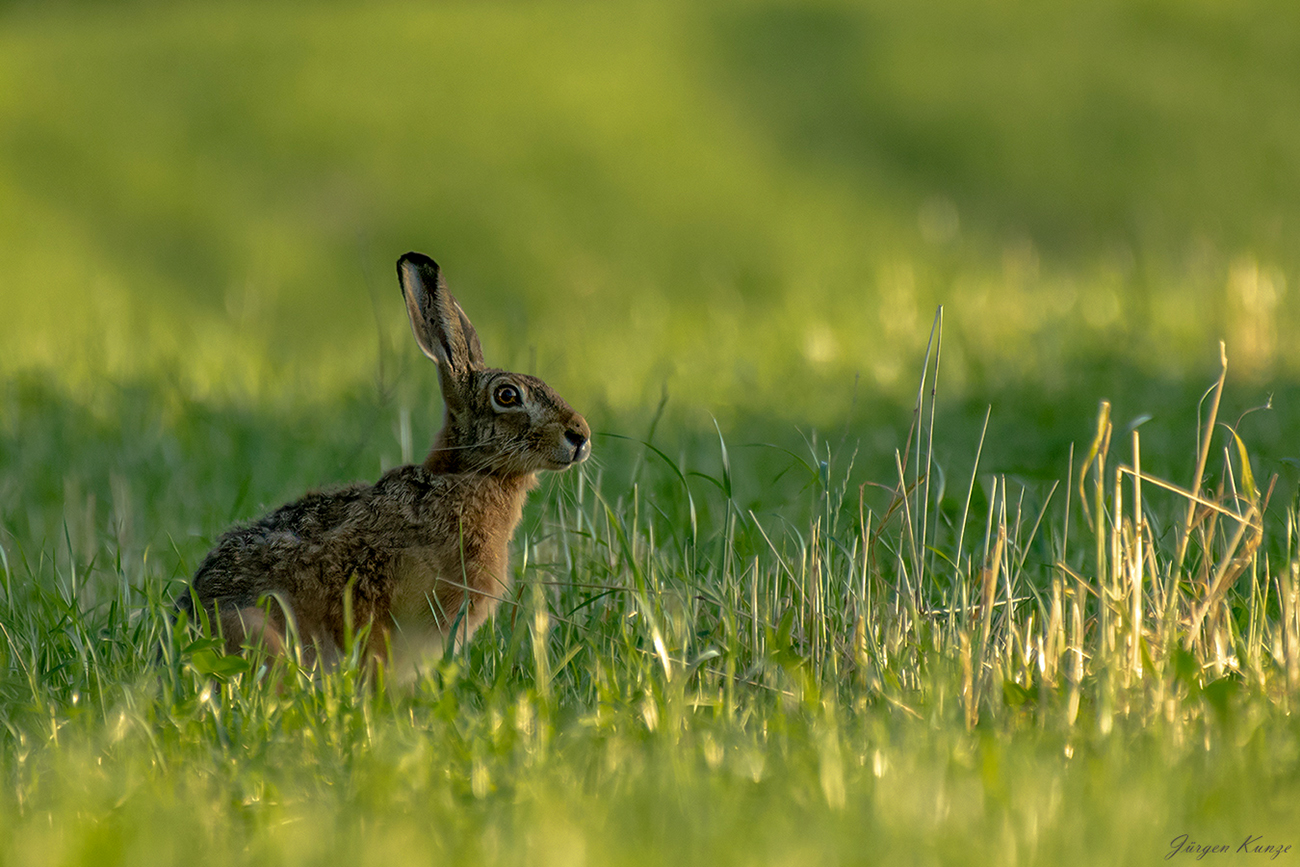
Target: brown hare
(422, 549)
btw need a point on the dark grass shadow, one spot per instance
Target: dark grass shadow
(143, 472)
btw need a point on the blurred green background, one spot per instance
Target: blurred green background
(753, 207)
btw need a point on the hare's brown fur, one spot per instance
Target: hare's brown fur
(424, 547)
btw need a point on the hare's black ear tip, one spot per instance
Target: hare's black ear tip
(416, 260)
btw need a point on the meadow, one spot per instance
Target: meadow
(943, 506)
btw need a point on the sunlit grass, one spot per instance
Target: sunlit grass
(961, 671)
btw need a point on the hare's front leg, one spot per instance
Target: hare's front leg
(251, 627)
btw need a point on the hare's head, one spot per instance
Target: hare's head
(497, 422)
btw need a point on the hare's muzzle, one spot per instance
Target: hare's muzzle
(579, 439)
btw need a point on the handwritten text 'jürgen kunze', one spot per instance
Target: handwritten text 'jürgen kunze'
(1254, 844)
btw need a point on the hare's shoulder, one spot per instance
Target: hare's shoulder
(416, 493)
(440, 501)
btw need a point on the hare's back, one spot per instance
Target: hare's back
(261, 556)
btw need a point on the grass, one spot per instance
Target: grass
(766, 623)
(1002, 673)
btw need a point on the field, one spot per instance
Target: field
(927, 522)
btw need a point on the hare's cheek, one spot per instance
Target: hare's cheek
(502, 429)
(520, 426)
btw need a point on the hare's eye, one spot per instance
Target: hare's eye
(507, 395)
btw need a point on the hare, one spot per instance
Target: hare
(423, 549)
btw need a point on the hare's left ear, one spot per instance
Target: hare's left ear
(441, 328)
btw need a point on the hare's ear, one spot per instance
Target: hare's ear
(441, 328)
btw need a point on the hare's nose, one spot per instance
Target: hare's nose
(580, 442)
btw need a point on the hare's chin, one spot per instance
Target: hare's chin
(563, 462)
